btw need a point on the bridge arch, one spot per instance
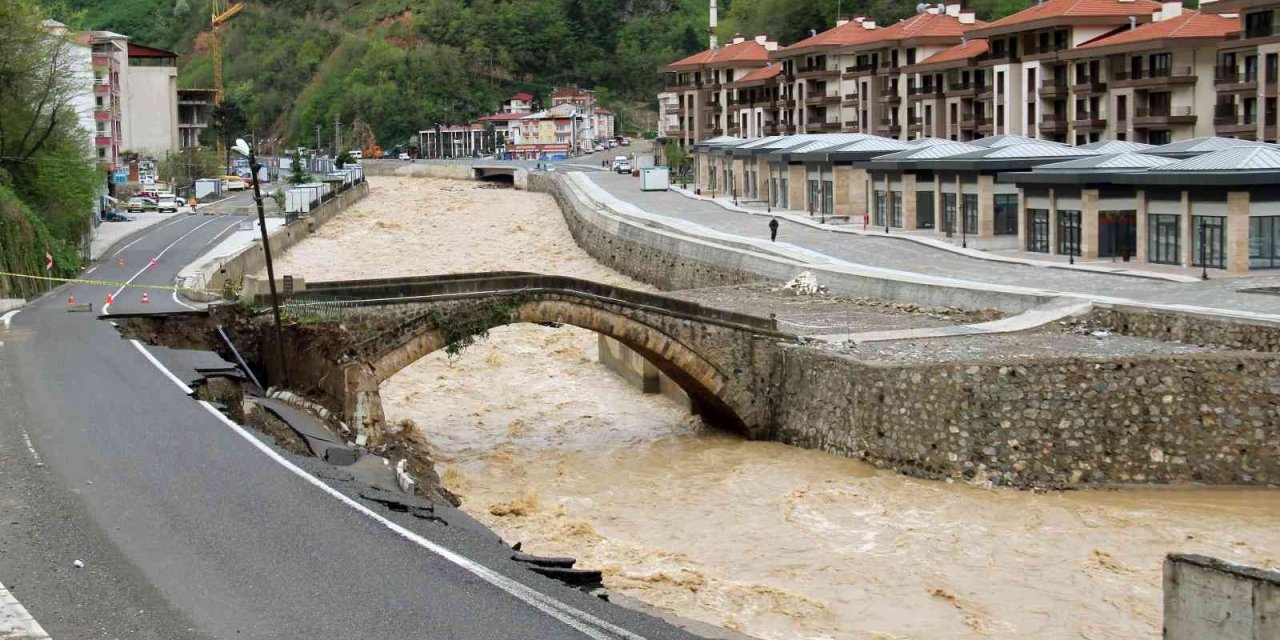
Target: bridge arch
(708, 387)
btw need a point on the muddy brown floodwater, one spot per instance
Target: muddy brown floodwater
(549, 448)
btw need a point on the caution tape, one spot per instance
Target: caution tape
(105, 283)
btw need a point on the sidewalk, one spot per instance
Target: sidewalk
(109, 233)
(197, 274)
(924, 259)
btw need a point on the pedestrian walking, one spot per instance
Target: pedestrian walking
(773, 230)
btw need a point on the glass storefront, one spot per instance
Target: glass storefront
(924, 210)
(1068, 232)
(1006, 214)
(1164, 239)
(1117, 234)
(814, 194)
(828, 197)
(879, 212)
(896, 209)
(1264, 242)
(1038, 230)
(949, 213)
(970, 203)
(1209, 241)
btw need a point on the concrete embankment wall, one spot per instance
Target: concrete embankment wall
(657, 253)
(1158, 419)
(252, 259)
(436, 169)
(1208, 598)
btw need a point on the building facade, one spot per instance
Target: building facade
(195, 109)
(702, 86)
(151, 101)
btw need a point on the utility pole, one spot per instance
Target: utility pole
(317, 139)
(337, 136)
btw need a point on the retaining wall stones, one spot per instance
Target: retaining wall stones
(1205, 417)
(1220, 331)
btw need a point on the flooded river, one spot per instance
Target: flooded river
(551, 449)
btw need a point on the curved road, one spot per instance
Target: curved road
(192, 528)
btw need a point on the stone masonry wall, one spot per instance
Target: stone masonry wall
(1206, 418)
(1228, 333)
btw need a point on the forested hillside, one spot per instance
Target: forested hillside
(404, 64)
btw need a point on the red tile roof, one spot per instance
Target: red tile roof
(522, 97)
(603, 112)
(850, 33)
(143, 51)
(571, 92)
(959, 53)
(927, 25)
(1191, 24)
(1052, 12)
(745, 53)
(769, 71)
(500, 117)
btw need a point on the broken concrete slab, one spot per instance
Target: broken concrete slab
(544, 561)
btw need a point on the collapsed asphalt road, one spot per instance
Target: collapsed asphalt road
(191, 527)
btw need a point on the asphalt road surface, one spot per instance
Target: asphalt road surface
(189, 527)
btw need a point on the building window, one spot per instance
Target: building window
(949, 213)
(1006, 210)
(896, 210)
(814, 194)
(924, 210)
(1038, 230)
(828, 197)
(1209, 241)
(784, 196)
(1159, 137)
(879, 211)
(1117, 233)
(1264, 242)
(1068, 232)
(1164, 239)
(970, 206)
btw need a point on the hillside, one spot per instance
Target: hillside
(403, 65)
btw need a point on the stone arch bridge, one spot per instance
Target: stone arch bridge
(720, 358)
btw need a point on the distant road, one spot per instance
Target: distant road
(189, 529)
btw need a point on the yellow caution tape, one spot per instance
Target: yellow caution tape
(106, 283)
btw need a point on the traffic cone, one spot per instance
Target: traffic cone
(120, 262)
(145, 299)
(153, 263)
(71, 299)
(110, 299)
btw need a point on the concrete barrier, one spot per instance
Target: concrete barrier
(1209, 598)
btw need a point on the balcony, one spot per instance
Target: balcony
(983, 91)
(968, 122)
(1046, 50)
(786, 103)
(101, 89)
(859, 70)
(851, 124)
(1227, 121)
(103, 61)
(1053, 88)
(1154, 78)
(887, 127)
(1089, 86)
(823, 127)
(817, 101)
(984, 126)
(960, 90)
(1086, 120)
(102, 141)
(1164, 117)
(684, 86)
(915, 125)
(926, 92)
(816, 73)
(891, 99)
(1053, 123)
(851, 100)
(1263, 30)
(1229, 80)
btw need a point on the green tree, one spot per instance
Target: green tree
(298, 169)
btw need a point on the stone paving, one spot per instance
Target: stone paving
(1217, 293)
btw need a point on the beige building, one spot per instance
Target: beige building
(1249, 69)
(151, 101)
(701, 84)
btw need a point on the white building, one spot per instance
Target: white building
(151, 101)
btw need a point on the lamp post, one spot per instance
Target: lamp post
(1071, 249)
(964, 228)
(244, 149)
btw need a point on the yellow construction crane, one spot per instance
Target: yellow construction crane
(221, 14)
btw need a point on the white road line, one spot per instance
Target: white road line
(8, 317)
(149, 231)
(175, 299)
(582, 621)
(26, 439)
(106, 308)
(15, 622)
(91, 270)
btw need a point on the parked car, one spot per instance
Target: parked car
(111, 215)
(358, 154)
(626, 142)
(167, 203)
(139, 204)
(234, 183)
(404, 156)
(623, 167)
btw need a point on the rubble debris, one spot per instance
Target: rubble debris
(544, 561)
(805, 284)
(591, 578)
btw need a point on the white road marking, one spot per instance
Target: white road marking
(106, 309)
(91, 270)
(175, 299)
(26, 439)
(149, 230)
(582, 621)
(8, 317)
(15, 622)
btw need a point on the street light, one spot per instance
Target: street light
(243, 149)
(1204, 264)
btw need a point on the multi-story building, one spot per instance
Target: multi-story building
(110, 62)
(151, 100)
(668, 115)
(949, 80)
(195, 109)
(605, 123)
(80, 68)
(1024, 80)
(1151, 84)
(1248, 69)
(702, 86)
(851, 78)
(454, 141)
(518, 103)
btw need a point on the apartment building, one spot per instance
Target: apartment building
(701, 84)
(1248, 67)
(950, 81)
(195, 112)
(809, 79)
(1025, 79)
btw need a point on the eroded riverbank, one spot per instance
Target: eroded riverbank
(549, 448)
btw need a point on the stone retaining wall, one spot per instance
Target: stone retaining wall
(1220, 331)
(1204, 417)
